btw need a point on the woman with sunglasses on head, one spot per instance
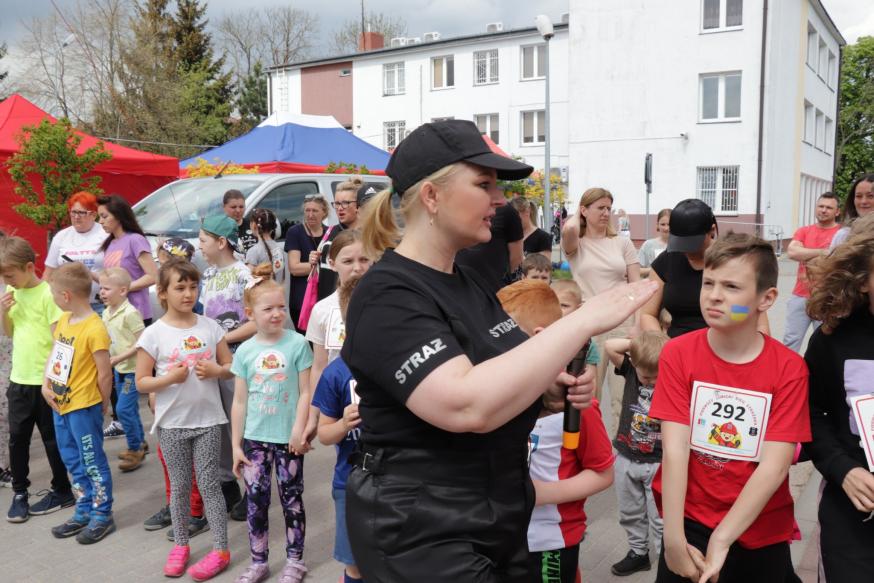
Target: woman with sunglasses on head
(301, 243)
(440, 489)
(80, 241)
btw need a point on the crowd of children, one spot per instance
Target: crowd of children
(710, 422)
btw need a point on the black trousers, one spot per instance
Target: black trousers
(770, 564)
(27, 409)
(437, 516)
(846, 543)
(560, 566)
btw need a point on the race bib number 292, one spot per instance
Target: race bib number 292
(728, 422)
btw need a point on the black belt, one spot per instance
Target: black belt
(451, 467)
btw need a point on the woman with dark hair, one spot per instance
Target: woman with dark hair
(127, 247)
(859, 202)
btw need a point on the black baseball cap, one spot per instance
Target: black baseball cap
(690, 222)
(365, 193)
(432, 146)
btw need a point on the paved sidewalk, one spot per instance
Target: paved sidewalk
(29, 553)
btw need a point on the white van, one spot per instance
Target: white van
(177, 209)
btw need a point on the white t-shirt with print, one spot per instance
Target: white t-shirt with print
(192, 403)
(80, 247)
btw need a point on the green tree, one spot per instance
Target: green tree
(855, 142)
(252, 98)
(47, 170)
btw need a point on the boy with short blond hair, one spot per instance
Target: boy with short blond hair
(570, 296)
(28, 316)
(731, 415)
(77, 386)
(638, 446)
(563, 478)
(536, 266)
(124, 324)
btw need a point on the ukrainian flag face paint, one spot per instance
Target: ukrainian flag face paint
(739, 313)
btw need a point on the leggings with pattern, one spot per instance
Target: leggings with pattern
(289, 477)
(200, 447)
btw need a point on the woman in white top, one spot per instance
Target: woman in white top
(80, 241)
(654, 247)
(600, 260)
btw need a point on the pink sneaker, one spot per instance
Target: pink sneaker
(209, 566)
(255, 573)
(293, 572)
(176, 561)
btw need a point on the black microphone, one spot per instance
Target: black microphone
(570, 438)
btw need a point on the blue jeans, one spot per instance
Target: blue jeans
(342, 548)
(80, 439)
(128, 409)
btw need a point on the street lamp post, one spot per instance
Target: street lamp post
(544, 27)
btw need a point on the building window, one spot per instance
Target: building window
(394, 132)
(533, 127)
(720, 97)
(819, 131)
(721, 14)
(809, 122)
(534, 62)
(485, 67)
(717, 186)
(487, 123)
(812, 46)
(829, 136)
(345, 72)
(393, 79)
(443, 72)
(822, 70)
(832, 70)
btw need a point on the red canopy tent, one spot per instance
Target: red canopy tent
(130, 173)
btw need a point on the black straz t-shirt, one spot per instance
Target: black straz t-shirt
(405, 320)
(681, 296)
(539, 240)
(492, 260)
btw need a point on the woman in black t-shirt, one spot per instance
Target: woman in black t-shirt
(301, 243)
(536, 239)
(450, 387)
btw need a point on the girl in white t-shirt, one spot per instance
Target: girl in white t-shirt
(189, 354)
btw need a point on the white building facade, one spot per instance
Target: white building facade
(495, 79)
(736, 101)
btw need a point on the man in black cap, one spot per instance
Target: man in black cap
(440, 490)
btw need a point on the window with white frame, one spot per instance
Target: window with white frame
(809, 123)
(533, 127)
(534, 61)
(822, 69)
(443, 72)
(812, 46)
(832, 70)
(720, 97)
(393, 79)
(393, 133)
(487, 124)
(485, 67)
(819, 131)
(721, 14)
(717, 186)
(829, 136)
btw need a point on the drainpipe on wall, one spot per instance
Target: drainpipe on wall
(761, 115)
(837, 115)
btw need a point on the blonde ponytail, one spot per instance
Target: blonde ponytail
(379, 229)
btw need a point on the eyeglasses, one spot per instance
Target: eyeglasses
(342, 204)
(80, 214)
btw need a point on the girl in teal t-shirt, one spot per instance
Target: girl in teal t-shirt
(268, 419)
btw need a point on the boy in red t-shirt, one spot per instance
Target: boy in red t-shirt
(563, 478)
(733, 404)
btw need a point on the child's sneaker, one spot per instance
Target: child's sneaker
(114, 429)
(209, 566)
(255, 573)
(96, 531)
(51, 502)
(177, 560)
(19, 509)
(5, 478)
(196, 526)
(74, 525)
(160, 519)
(632, 563)
(293, 571)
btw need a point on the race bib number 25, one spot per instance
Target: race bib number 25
(728, 422)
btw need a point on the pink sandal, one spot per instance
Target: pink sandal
(209, 566)
(176, 561)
